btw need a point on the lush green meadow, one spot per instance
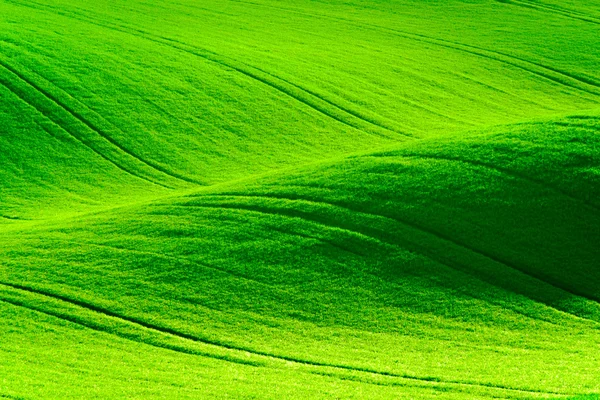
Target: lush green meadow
(285, 199)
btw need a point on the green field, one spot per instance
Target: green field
(366, 199)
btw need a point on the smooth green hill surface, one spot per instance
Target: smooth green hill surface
(358, 199)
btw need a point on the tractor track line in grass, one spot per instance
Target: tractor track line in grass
(550, 73)
(417, 227)
(10, 218)
(294, 91)
(235, 275)
(175, 333)
(442, 237)
(318, 239)
(507, 172)
(8, 396)
(546, 72)
(347, 110)
(279, 289)
(555, 10)
(405, 246)
(167, 257)
(553, 74)
(17, 93)
(78, 116)
(10, 86)
(518, 62)
(98, 328)
(474, 50)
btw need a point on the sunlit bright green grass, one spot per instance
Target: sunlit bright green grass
(364, 199)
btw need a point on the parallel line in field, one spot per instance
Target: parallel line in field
(96, 327)
(507, 172)
(184, 260)
(181, 335)
(303, 95)
(556, 10)
(78, 116)
(544, 71)
(346, 109)
(318, 239)
(550, 73)
(405, 245)
(443, 260)
(575, 125)
(447, 238)
(40, 110)
(412, 36)
(294, 91)
(282, 86)
(379, 238)
(280, 212)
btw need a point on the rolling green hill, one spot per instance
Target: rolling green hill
(322, 199)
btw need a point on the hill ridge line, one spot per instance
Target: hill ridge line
(378, 151)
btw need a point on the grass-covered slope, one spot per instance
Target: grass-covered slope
(178, 93)
(276, 199)
(458, 262)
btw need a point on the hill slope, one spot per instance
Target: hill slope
(278, 199)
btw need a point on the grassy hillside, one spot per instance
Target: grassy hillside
(269, 199)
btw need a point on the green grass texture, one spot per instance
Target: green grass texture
(277, 199)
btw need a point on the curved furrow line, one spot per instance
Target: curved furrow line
(545, 7)
(498, 90)
(290, 90)
(321, 240)
(283, 212)
(319, 222)
(302, 94)
(402, 244)
(418, 227)
(508, 172)
(7, 396)
(345, 109)
(314, 101)
(566, 75)
(85, 121)
(10, 218)
(318, 239)
(579, 125)
(184, 260)
(294, 91)
(174, 333)
(550, 73)
(100, 328)
(564, 78)
(10, 86)
(376, 235)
